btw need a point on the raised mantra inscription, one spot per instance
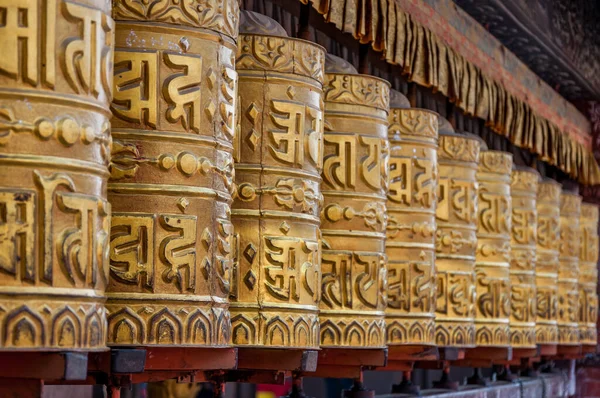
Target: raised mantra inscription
(276, 276)
(353, 219)
(54, 149)
(171, 186)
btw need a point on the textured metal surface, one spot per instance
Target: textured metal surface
(492, 278)
(410, 244)
(588, 274)
(172, 173)
(279, 146)
(546, 267)
(568, 270)
(55, 74)
(456, 242)
(353, 219)
(524, 187)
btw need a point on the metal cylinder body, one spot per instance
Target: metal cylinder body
(524, 187)
(492, 279)
(410, 244)
(55, 93)
(277, 275)
(172, 173)
(568, 270)
(456, 242)
(588, 274)
(546, 267)
(353, 219)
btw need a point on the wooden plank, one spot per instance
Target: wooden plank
(44, 365)
(519, 353)
(353, 357)
(413, 353)
(21, 388)
(193, 359)
(277, 359)
(548, 349)
(489, 353)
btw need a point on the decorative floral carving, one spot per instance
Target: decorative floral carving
(495, 162)
(415, 122)
(357, 89)
(456, 147)
(281, 54)
(219, 15)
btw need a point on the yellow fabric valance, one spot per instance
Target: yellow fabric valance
(430, 62)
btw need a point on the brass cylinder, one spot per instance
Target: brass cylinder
(410, 244)
(588, 274)
(524, 187)
(492, 278)
(277, 274)
(353, 219)
(456, 242)
(55, 91)
(546, 267)
(568, 270)
(172, 173)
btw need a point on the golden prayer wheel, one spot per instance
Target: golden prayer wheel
(568, 270)
(276, 273)
(492, 278)
(55, 91)
(456, 242)
(172, 173)
(410, 244)
(546, 266)
(524, 187)
(353, 219)
(588, 274)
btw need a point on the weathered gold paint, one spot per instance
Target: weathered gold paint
(492, 279)
(279, 146)
(524, 187)
(410, 244)
(568, 270)
(172, 172)
(456, 242)
(54, 151)
(353, 218)
(588, 274)
(546, 267)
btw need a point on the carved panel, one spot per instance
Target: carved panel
(171, 242)
(494, 214)
(276, 279)
(456, 240)
(410, 244)
(568, 271)
(524, 187)
(353, 219)
(54, 151)
(546, 270)
(588, 274)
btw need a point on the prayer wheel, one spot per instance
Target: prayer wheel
(172, 173)
(411, 205)
(524, 187)
(456, 242)
(492, 278)
(568, 269)
(353, 219)
(588, 274)
(546, 266)
(55, 92)
(276, 273)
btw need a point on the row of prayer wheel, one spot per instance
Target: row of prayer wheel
(251, 190)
